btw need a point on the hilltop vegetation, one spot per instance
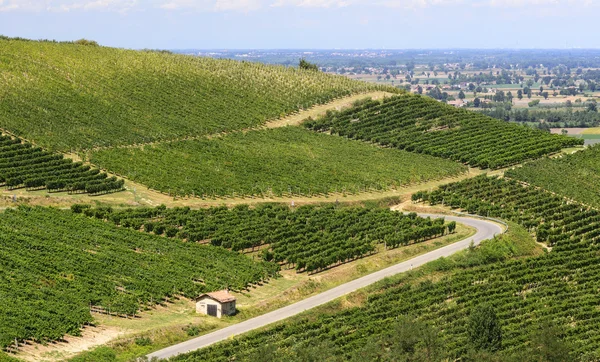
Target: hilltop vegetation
(423, 125)
(576, 176)
(288, 160)
(545, 305)
(68, 96)
(55, 265)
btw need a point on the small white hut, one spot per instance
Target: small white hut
(216, 304)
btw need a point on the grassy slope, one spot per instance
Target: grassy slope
(278, 160)
(66, 96)
(576, 176)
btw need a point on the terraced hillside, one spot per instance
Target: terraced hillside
(273, 162)
(424, 125)
(67, 96)
(546, 305)
(576, 176)
(55, 264)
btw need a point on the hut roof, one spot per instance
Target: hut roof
(221, 296)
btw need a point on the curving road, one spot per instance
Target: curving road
(485, 230)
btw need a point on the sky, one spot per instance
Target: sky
(308, 24)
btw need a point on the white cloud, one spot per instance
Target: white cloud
(252, 5)
(314, 3)
(67, 5)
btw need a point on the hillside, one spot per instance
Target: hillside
(262, 163)
(55, 265)
(308, 238)
(66, 96)
(25, 166)
(546, 305)
(576, 175)
(424, 125)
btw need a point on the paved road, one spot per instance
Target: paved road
(485, 230)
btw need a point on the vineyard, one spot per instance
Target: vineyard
(69, 96)
(424, 125)
(556, 288)
(56, 265)
(24, 165)
(309, 238)
(272, 162)
(576, 176)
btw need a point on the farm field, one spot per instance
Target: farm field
(167, 325)
(309, 238)
(576, 176)
(71, 97)
(57, 264)
(423, 125)
(281, 183)
(25, 166)
(532, 294)
(272, 162)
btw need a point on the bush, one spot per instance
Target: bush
(143, 341)
(86, 42)
(101, 354)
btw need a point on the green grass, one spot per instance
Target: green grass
(576, 175)
(271, 162)
(67, 96)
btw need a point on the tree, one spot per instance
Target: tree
(546, 345)
(592, 107)
(520, 94)
(420, 90)
(304, 64)
(484, 329)
(545, 95)
(461, 95)
(86, 42)
(477, 102)
(509, 96)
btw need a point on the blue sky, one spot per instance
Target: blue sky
(316, 24)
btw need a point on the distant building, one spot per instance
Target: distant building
(457, 103)
(216, 304)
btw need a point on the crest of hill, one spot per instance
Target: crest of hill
(69, 96)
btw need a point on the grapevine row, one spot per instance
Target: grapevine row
(309, 238)
(423, 125)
